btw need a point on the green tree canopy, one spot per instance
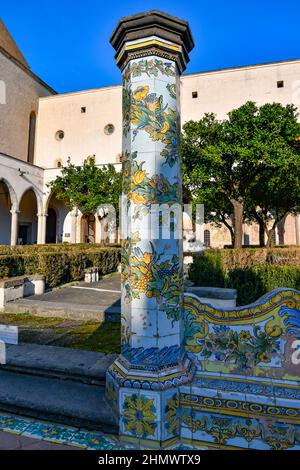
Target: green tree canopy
(244, 165)
(88, 186)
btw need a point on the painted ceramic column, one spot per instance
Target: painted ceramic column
(151, 50)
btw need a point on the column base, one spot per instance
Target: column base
(146, 400)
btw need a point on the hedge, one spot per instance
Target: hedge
(27, 249)
(60, 266)
(253, 272)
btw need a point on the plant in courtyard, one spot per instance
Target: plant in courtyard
(88, 186)
(247, 165)
(275, 191)
(252, 272)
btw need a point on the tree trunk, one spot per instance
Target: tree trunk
(281, 230)
(261, 234)
(270, 237)
(270, 234)
(238, 215)
(232, 236)
(262, 228)
(230, 228)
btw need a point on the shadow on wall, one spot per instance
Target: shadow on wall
(250, 282)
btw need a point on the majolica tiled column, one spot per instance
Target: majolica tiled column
(151, 50)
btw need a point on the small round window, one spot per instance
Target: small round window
(109, 129)
(59, 135)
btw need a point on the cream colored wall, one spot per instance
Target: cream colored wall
(84, 132)
(224, 90)
(20, 177)
(218, 92)
(22, 94)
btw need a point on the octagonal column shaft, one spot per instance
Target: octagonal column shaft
(151, 52)
(152, 272)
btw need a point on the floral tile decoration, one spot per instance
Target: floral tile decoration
(59, 434)
(85, 440)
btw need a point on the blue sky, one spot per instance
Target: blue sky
(67, 42)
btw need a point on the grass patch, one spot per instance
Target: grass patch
(105, 337)
(66, 332)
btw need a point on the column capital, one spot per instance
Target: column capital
(152, 33)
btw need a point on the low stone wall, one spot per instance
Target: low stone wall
(246, 391)
(18, 287)
(215, 296)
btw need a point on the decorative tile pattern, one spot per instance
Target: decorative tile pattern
(239, 407)
(139, 416)
(153, 363)
(246, 393)
(226, 431)
(172, 415)
(252, 338)
(59, 434)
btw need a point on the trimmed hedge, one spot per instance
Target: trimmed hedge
(253, 272)
(60, 266)
(27, 249)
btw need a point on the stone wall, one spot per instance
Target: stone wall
(21, 90)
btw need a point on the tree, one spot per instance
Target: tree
(227, 163)
(275, 192)
(88, 186)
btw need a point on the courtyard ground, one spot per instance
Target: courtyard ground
(100, 301)
(85, 306)
(78, 334)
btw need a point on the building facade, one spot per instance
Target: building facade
(41, 131)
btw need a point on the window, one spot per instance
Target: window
(59, 135)
(109, 129)
(280, 84)
(206, 238)
(246, 239)
(58, 163)
(195, 94)
(31, 137)
(83, 109)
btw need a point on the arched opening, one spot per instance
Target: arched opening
(207, 238)
(246, 239)
(27, 231)
(5, 215)
(88, 229)
(31, 137)
(57, 224)
(51, 227)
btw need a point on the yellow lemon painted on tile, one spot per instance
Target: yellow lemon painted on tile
(139, 176)
(147, 257)
(141, 92)
(165, 128)
(137, 198)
